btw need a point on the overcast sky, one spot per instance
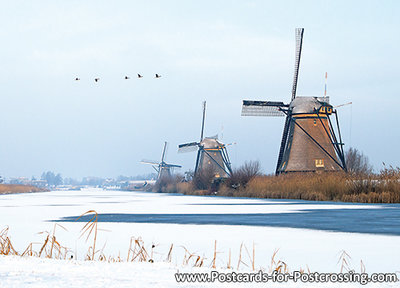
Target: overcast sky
(219, 51)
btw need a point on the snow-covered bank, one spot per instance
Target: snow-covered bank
(28, 214)
(31, 272)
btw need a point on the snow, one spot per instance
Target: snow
(28, 214)
(34, 272)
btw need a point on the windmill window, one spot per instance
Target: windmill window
(319, 163)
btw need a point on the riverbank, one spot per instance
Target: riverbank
(375, 188)
(15, 189)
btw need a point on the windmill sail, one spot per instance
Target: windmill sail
(299, 44)
(188, 147)
(172, 165)
(202, 123)
(263, 108)
(286, 134)
(150, 162)
(163, 153)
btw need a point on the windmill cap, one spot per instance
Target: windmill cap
(308, 104)
(211, 143)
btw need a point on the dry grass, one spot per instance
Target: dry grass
(90, 228)
(14, 189)
(137, 251)
(50, 245)
(380, 188)
(373, 188)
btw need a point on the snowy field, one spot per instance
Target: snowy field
(28, 214)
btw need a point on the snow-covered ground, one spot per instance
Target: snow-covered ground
(28, 214)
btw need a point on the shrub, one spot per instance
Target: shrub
(242, 175)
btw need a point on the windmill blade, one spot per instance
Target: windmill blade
(263, 108)
(341, 105)
(299, 44)
(150, 162)
(188, 147)
(164, 150)
(172, 166)
(202, 123)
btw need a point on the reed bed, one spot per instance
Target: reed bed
(138, 251)
(383, 187)
(14, 189)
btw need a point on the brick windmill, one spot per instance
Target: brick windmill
(211, 153)
(309, 142)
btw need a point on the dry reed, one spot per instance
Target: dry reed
(383, 187)
(51, 248)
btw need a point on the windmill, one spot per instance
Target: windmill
(211, 153)
(309, 142)
(163, 169)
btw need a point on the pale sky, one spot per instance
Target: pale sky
(219, 51)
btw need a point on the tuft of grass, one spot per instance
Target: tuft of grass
(137, 251)
(89, 228)
(50, 240)
(6, 248)
(344, 260)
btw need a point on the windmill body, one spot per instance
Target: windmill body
(314, 150)
(212, 154)
(309, 142)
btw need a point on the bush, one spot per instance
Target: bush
(202, 180)
(242, 175)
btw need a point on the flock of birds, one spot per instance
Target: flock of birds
(126, 77)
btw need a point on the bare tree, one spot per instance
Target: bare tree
(242, 175)
(357, 162)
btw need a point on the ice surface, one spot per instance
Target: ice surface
(28, 214)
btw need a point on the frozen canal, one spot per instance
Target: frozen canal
(307, 234)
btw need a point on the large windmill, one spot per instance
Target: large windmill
(211, 153)
(309, 142)
(163, 169)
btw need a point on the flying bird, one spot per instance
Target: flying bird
(96, 79)
(158, 76)
(77, 79)
(126, 77)
(139, 76)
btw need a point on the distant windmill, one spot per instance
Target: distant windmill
(211, 153)
(163, 169)
(309, 142)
